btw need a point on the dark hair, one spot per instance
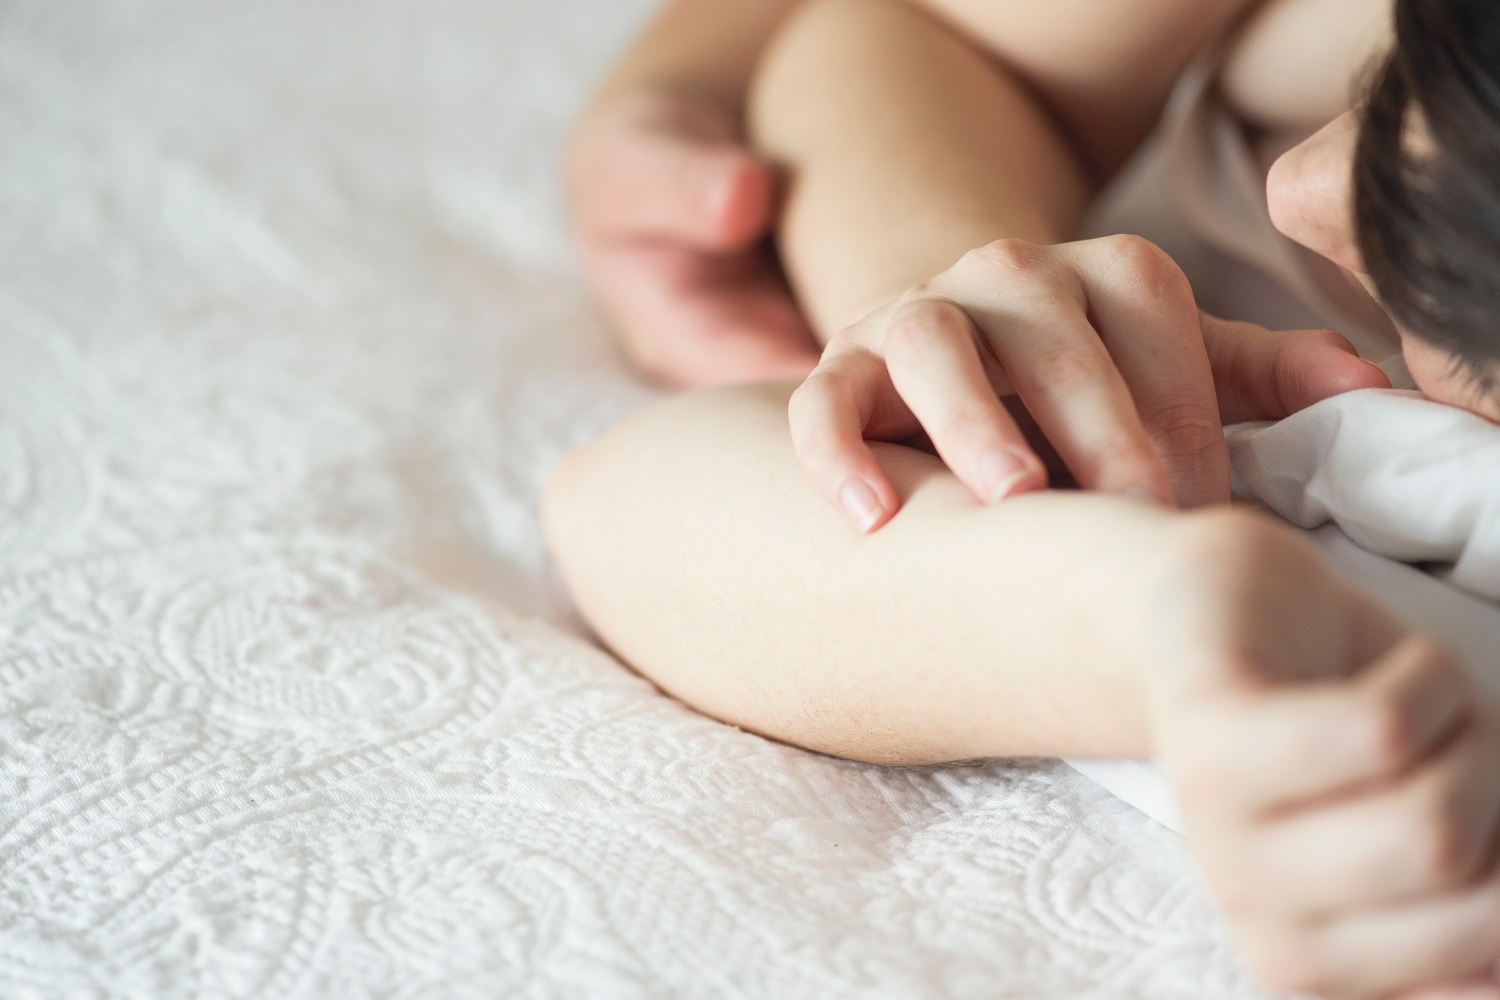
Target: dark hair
(1427, 177)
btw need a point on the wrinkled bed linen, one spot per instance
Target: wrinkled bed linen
(291, 704)
(1404, 477)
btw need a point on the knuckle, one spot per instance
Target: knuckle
(1135, 251)
(1149, 266)
(918, 291)
(845, 338)
(817, 384)
(1185, 429)
(921, 327)
(807, 409)
(1005, 258)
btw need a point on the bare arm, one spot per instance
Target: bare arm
(962, 631)
(931, 183)
(1062, 623)
(1336, 774)
(907, 147)
(916, 135)
(704, 48)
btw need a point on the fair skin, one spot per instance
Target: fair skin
(1351, 850)
(674, 210)
(1310, 198)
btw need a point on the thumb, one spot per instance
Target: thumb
(647, 183)
(1265, 375)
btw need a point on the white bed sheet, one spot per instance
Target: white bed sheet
(290, 701)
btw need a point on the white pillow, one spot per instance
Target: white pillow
(1403, 476)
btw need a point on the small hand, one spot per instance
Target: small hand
(1337, 773)
(1104, 346)
(674, 213)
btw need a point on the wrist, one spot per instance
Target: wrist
(1191, 590)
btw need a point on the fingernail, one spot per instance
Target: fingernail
(1001, 471)
(861, 504)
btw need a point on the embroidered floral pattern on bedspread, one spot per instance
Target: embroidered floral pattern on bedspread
(290, 702)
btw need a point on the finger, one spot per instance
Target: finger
(1317, 741)
(650, 183)
(1265, 375)
(1143, 307)
(1432, 832)
(829, 414)
(1375, 954)
(929, 348)
(692, 320)
(1068, 382)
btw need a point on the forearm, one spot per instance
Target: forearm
(703, 49)
(916, 130)
(906, 148)
(698, 552)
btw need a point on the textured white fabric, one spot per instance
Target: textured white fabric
(289, 703)
(1403, 476)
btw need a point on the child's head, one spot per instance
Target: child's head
(1420, 163)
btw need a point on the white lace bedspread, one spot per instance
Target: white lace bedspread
(290, 703)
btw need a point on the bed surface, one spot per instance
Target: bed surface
(291, 702)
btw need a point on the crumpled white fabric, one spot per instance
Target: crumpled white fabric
(1403, 476)
(291, 702)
